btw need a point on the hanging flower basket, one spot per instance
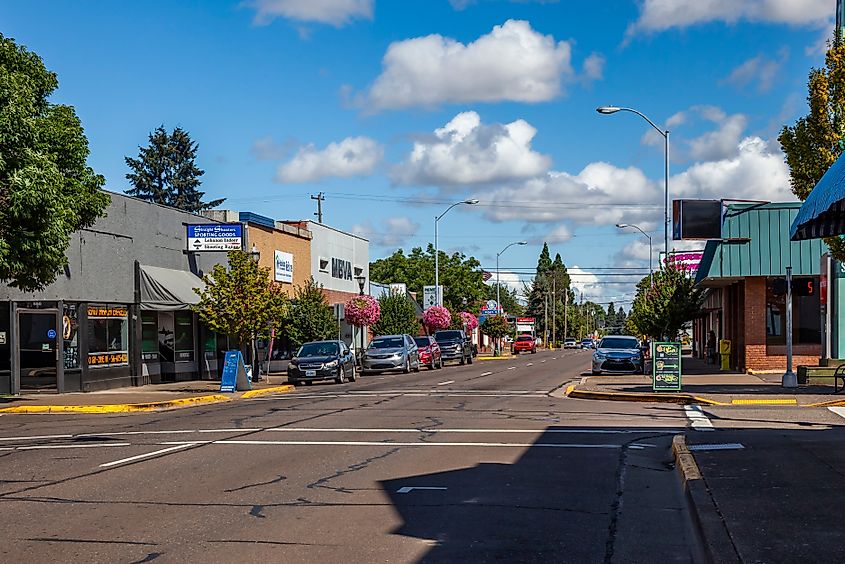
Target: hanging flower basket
(437, 318)
(362, 311)
(469, 320)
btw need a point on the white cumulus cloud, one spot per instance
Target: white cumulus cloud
(660, 15)
(513, 62)
(332, 12)
(394, 232)
(466, 152)
(354, 156)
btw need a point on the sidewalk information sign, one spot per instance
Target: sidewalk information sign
(666, 367)
(234, 373)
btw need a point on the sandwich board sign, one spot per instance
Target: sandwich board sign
(666, 367)
(234, 373)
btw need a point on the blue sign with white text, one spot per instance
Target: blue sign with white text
(51, 333)
(215, 237)
(234, 374)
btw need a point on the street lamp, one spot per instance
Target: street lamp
(255, 255)
(650, 254)
(361, 279)
(665, 133)
(498, 284)
(469, 202)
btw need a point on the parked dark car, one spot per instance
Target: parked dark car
(454, 345)
(618, 353)
(429, 352)
(391, 352)
(322, 360)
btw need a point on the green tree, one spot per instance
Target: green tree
(398, 315)
(460, 275)
(496, 326)
(165, 172)
(47, 191)
(660, 310)
(241, 301)
(817, 139)
(310, 317)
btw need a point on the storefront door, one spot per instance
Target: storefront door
(38, 349)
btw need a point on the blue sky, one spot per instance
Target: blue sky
(386, 105)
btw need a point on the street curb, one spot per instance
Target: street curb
(713, 533)
(831, 403)
(274, 390)
(118, 407)
(682, 399)
(493, 357)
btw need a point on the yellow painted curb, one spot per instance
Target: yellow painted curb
(264, 391)
(493, 357)
(829, 403)
(683, 399)
(569, 389)
(117, 407)
(764, 402)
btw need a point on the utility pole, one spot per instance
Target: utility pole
(554, 309)
(320, 199)
(565, 307)
(546, 322)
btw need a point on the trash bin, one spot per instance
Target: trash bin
(725, 354)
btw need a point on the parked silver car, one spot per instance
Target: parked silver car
(391, 352)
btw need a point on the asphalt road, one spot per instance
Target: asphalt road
(487, 462)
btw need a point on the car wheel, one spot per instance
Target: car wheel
(309, 382)
(469, 358)
(294, 382)
(463, 359)
(417, 365)
(596, 372)
(440, 363)
(352, 375)
(433, 364)
(407, 368)
(515, 352)
(341, 375)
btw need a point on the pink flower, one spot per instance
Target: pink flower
(469, 320)
(362, 310)
(437, 317)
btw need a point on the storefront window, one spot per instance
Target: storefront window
(108, 335)
(70, 334)
(806, 312)
(149, 336)
(210, 347)
(184, 341)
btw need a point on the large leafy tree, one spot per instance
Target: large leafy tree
(47, 191)
(241, 301)
(661, 308)
(817, 139)
(460, 275)
(398, 316)
(166, 173)
(310, 317)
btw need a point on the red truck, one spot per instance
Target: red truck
(525, 343)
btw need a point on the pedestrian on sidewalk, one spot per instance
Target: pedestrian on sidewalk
(711, 347)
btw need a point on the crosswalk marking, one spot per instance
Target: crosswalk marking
(698, 419)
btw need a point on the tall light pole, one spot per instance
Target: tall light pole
(362, 280)
(469, 202)
(665, 133)
(499, 284)
(650, 253)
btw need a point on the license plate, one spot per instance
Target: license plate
(310, 373)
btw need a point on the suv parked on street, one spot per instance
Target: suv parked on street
(391, 352)
(525, 343)
(322, 360)
(570, 343)
(429, 352)
(454, 345)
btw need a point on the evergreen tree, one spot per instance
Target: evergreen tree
(165, 172)
(398, 315)
(539, 290)
(311, 317)
(47, 190)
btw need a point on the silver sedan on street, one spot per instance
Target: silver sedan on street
(618, 353)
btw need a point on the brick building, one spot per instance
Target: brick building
(744, 273)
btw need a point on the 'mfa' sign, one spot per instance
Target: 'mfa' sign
(341, 269)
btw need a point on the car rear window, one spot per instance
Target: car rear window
(442, 336)
(525, 338)
(422, 341)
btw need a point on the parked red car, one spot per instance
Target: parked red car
(525, 343)
(429, 352)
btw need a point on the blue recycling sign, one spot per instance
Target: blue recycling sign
(215, 237)
(51, 333)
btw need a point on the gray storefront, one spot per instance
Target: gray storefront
(119, 314)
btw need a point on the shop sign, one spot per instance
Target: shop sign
(341, 269)
(99, 359)
(2, 337)
(284, 267)
(111, 312)
(666, 367)
(215, 237)
(429, 296)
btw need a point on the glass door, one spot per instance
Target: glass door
(39, 353)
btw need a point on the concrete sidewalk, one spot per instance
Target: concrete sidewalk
(152, 397)
(701, 384)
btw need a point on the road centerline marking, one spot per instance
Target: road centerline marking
(446, 382)
(486, 373)
(148, 455)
